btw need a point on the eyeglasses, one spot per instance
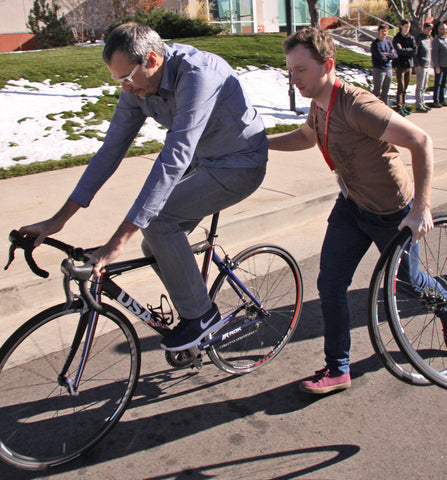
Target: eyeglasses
(129, 78)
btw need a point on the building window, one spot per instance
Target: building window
(235, 15)
(300, 11)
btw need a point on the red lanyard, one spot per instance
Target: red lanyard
(326, 126)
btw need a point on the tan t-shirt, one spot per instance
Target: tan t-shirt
(372, 170)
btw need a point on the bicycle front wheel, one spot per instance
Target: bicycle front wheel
(380, 333)
(418, 315)
(44, 423)
(273, 277)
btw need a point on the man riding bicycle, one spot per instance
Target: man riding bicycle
(214, 156)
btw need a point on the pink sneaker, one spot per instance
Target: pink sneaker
(324, 381)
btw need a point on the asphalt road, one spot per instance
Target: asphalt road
(186, 424)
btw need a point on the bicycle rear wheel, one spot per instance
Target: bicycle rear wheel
(417, 315)
(380, 333)
(42, 423)
(272, 275)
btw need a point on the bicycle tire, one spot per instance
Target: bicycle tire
(42, 425)
(274, 277)
(413, 315)
(381, 336)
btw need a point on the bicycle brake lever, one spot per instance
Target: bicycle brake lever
(11, 257)
(82, 275)
(68, 293)
(13, 237)
(27, 243)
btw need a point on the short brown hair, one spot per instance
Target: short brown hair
(318, 42)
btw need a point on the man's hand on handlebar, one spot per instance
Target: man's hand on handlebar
(40, 230)
(55, 224)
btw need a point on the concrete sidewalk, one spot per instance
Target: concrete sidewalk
(289, 209)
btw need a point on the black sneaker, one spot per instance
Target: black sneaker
(188, 333)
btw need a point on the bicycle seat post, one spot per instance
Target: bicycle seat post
(213, 228)
(211, 240)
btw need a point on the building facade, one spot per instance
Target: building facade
(237, 16)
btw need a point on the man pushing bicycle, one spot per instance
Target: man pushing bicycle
(357, 134)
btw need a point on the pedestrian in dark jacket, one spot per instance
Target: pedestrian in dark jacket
(439, 62)
(405, 46)
(382, 52)
(422, 65)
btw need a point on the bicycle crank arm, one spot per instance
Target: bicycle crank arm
(196, 356)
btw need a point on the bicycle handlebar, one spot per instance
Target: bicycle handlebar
(71, 272)
(27, 244)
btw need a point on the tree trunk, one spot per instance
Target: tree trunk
(314, 13)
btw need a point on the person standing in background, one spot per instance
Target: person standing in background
(382, 52)
(422, 64)
(439, 62)
(405, 46)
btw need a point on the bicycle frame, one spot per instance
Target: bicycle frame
(105, 285)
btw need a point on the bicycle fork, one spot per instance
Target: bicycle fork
(87, 326)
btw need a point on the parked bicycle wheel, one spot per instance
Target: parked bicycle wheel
(418, 316)
(380, 333)
(42, 423)
(274, 278)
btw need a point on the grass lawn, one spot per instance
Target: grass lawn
(84, 65)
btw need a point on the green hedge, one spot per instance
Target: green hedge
(170, 25)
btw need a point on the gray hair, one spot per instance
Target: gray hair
(136, 40)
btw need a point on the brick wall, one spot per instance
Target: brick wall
(13, 42)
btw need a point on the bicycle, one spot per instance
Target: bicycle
(418, 317)
(68, 374)
(381, 335)
(389, 303)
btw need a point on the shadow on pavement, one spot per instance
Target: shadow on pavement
(281, 465)
(135, 434)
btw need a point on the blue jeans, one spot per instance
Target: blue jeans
(350, 232)
(439, 87)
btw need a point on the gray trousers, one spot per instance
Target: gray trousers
(382, 81)
(421, 85)
(200, 193)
